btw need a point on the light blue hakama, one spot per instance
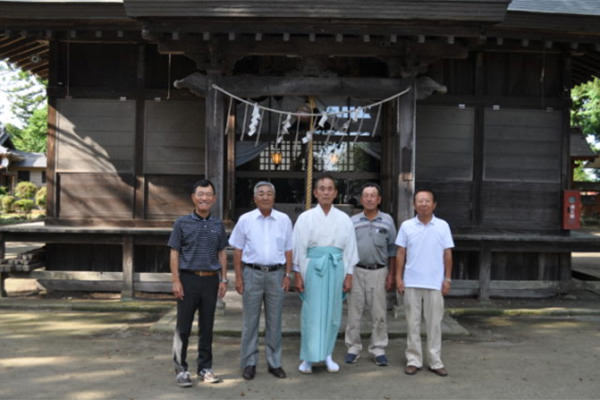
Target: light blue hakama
(321, 313)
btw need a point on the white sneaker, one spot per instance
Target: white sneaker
(332, 366)
(305, 367)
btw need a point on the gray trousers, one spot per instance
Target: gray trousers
(368, 292)
(262, 287)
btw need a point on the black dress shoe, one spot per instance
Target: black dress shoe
(249, 372)
(278, 372)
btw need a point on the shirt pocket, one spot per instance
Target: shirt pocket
(380, 237)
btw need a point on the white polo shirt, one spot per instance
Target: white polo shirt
(425, 245)
(263, 240)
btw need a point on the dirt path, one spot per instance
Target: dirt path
(77, 355)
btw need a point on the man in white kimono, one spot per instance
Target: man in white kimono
(324, 257)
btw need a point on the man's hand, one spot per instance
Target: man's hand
(285, 284)
(445, 287)
(239, 285)
(400, 285)
(177, 288)
(222, 289)
(389, 281)
(299, 282)
(347, 283)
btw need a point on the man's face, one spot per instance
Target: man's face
(370, 199)
(424, 204)
(264, 198)
(325, 192)
(203, 199)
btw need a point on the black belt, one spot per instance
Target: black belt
(371, 266)
(264, 268)
(200, 273)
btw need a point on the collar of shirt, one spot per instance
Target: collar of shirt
(377, 217)
(196, 216)
(259, 215)
(432, 222)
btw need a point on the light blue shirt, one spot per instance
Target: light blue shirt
(263, 240)
(425, 245)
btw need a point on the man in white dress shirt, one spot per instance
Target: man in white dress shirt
(262, 242)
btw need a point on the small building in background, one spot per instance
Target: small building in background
(20, 166)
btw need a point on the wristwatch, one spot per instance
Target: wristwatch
(224, 280)
(448, 279)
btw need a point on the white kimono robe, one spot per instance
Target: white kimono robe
(315, 229)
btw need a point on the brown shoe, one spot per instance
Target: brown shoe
(411, 370)
(439, 371)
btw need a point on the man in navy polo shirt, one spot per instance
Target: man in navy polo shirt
(199, 273)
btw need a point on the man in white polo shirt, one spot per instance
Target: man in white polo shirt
(423, 271)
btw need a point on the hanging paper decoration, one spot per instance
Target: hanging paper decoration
(287, 124)
(260, 119)
(255, 119)
(258, 113)
(308, 137)
(323, 119)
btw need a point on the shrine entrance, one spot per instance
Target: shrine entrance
(347, 146)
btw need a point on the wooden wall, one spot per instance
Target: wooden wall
(493, 150)
(127, 147)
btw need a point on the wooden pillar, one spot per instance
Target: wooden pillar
(230, 193)
(3, 275)
(388, 157)
(565, 272)
(215, 142)
(406, 132)
(51, 177)
(128, 269)
(485, 272)
(139, 184)
(478, 145)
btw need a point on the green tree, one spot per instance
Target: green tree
(33, 136)
(26, 94)
(585, 113)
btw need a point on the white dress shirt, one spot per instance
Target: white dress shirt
(263, 240)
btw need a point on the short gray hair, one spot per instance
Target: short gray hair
(264, 183)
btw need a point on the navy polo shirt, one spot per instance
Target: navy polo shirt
(198, 241)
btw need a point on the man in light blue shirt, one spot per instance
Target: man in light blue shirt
(423, 272)
(262, 258)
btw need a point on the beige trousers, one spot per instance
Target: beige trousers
(368, 292)
(428, 303)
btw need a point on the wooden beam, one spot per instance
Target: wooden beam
(255, 86)
(332, 46)
(128, 268)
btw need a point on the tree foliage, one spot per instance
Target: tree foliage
(585, 112)
(33, 137)
(26, 94)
